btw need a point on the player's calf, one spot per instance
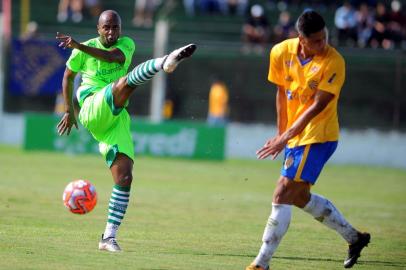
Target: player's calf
(147, 70)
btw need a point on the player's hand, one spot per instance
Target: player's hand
(66, 41)
(65, 125)
(272, 147)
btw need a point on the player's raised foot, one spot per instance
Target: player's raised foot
(174, 58)
(256, 267)
(109, 244)
(354, 250)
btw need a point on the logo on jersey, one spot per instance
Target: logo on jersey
(288, 162)
(313, 84)
(289, 78)
(289, 94)
(332, 78)
(289, 63)
(314, 69)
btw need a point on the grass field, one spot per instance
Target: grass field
(190, 215)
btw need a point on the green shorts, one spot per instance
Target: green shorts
(109, 125)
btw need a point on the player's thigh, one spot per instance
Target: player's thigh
(98, 113)
(121, 93)
(109, 125)
(118, 140)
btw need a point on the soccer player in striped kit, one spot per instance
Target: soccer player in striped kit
(103, 95)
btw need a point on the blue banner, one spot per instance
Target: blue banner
(36, 67)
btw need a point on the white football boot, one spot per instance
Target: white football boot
(109, 244)
(174, 58)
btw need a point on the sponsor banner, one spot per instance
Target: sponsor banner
(36, 68)
(168, 139)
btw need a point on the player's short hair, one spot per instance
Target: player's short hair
(310, 22)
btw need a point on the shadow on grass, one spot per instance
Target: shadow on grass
(360, 262)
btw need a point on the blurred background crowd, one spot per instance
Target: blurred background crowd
(356, 23)
(234, 38)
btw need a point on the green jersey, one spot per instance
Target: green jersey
(96, 73)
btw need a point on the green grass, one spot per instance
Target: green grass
(189, 215)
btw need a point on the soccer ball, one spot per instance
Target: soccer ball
(80, 197)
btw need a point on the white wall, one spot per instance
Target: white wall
(12, 129)
(357, 147)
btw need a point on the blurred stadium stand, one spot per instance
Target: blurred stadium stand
(373, 96)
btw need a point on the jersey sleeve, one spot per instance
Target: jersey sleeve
(333, 76)
(127, 46)
(275, 74)
(75, 61)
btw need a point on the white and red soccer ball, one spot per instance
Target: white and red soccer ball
(80, 197)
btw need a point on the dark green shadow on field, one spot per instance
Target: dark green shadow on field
(361, 262)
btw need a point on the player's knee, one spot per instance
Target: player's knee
(302, 199)
(283, 194)
(125, 180)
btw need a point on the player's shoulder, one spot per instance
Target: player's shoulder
(286, 46)
(126, 40)
(335, 56)
(93, 42)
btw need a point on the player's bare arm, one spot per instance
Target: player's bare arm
(281, 109)
(114, 55)
(281, 112)
(68, 119)
(275, 145)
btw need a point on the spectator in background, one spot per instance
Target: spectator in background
(144, 12)
(255, 31)
(285, 27)
(346, 23)
(70, 7)
(396, 25)
(94, 7)
(171, 104)
(380, 32)
(190, 7)
(167, 109)
(370, 3)
(31, 31)
(234, 7)
(218, 104)
(209, 6)
(365, 25)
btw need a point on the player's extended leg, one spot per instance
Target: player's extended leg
(324, 211)
(144, 72)
(121, 171)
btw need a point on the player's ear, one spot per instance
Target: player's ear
(302, 39)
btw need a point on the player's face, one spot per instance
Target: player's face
(315, 43)
(109, 31)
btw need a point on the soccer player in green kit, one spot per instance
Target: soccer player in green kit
(103, 95)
